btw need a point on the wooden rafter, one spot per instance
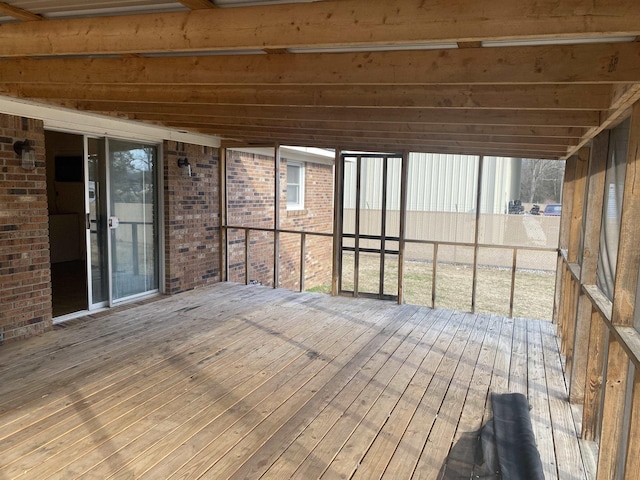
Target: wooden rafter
(327, 23)
(565, 64)
(558, 144)
(562, 118)
(521, 97)
(624, 97)
(157, 112)
(547, 100)
(335, 139)
(18, 13)
(198, 4)
(393, 148)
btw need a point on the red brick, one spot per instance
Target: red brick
(24, 255)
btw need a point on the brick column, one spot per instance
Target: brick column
(25, 269)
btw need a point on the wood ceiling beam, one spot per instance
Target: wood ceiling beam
(140, 111)
(18, 13)
(365, 134)
(323, 24)
(624, 97)
(563, 64)
(561, 118)
(522, 97)
(388, 140)
(389, 148)
(198, 4)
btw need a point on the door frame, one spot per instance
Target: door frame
(159, 221)
(382, 237)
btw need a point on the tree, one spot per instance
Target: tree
(541, 180)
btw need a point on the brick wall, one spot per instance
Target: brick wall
(191, 215)
(25, 274)
(250, 191)
(317, 216)
(250, 202)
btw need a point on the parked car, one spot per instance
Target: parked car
(552, 210)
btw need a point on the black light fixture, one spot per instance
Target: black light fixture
(185, 166)
(26, 153)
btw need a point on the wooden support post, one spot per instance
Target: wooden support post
(476, 235)
(404, 175)
(276, 217)
(303, 254)
(570, 324)
(632, 466)
(338, 200)
(628, 262)
(247, 256)
(222, 206)
(514, 264)
(569, 309)
(356, 256)
(434, 275)
(589, 264)
(594, 377)
(563, 239)
(624, 299)
(577, 204)
(383, 225)
(566, 302)
(613, 412)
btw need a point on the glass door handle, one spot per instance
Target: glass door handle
(114, 222)
(87, 221)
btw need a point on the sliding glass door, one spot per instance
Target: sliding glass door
(132, 220)
(122, 220)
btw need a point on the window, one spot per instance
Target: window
(612, 207)
(295, 186)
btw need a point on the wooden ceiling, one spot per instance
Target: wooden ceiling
(494, 77)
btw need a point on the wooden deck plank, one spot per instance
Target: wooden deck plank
(116, 361)
(86, 461)
(106, 334)
(568, 456)
(155, 432)
(262, 459)
(432, 462)
(518, 370)
(403, 463)
(461, 458)
(322, 421)
(257, 382)
(154, 435)
(354, 449)
(500, 372)
(134, 394)
(537, 395)
(205, 459)
(230, 412)
(386, 441)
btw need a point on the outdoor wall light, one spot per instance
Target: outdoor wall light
(185, 166)
(26, 153)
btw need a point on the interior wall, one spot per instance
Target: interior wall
(25, 273)
(65, 199)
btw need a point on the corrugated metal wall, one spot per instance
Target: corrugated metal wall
(437, 183)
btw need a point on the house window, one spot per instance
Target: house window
(295, 186)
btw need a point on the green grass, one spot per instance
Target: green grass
(326, 288)
(533, 291)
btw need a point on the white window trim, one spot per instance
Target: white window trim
(300, 204)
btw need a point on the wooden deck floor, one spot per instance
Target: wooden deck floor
(251, 382)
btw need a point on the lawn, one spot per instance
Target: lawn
(533, 293)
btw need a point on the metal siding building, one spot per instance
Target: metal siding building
(438, 183)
